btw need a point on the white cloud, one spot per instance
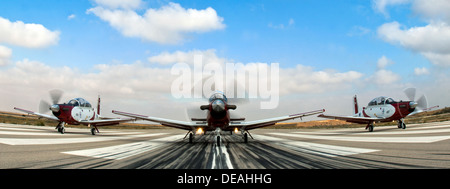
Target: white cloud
(421, 71)
(166, 25)
(167, 58)
(304, 79)
(114, 4)
(380, 5)
(26, 35)
(383, 62)
(72, 16)
(431, 40)
(434, 10)
(290, 23)
(382, 76)
(5, 55)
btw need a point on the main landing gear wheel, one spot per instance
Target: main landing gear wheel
(61, 130)
(245, 137)
(370, 127)
(191, 138)
(93, 131)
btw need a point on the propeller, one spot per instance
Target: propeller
(55, 96)
(235, 92)
(421, 103)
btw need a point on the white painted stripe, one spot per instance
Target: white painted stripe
(314, 148)
(418, 139)
(46, 141)
(126, 150)
(398, 132)
(224, 155)
(30, 133)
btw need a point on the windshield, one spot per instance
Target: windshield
(218, 95)
(79, 102)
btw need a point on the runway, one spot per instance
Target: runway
(418, 146)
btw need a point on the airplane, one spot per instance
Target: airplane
(218, 119)
(385, 109)
(75, 112)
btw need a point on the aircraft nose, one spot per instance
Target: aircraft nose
(413, 104)
(54, 108)
(218, 106)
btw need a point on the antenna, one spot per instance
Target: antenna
(98, 105)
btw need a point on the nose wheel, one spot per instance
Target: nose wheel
(401, 124)
(60, 127)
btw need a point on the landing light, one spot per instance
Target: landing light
(199, 131)
(236, 130)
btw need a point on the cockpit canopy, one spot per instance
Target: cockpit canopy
(79, 102)
(218, 95)
(382, 100)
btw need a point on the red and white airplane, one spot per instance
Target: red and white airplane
(77, 111)
(385, 109)
(218, 119)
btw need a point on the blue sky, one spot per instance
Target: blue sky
(351, 43)
(324, 34)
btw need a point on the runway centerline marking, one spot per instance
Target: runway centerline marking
(314, 148)
(119, 152)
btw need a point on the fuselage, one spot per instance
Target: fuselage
(384, 107)
(74, 111)
(218, 115)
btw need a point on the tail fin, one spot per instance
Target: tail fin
(98, 105)
(355, 103)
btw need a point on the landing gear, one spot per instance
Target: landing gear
(93, 129)
(401, 124)
(60, 127)
(218, 130)
(370, 127)
(191, 138)
(245, 135)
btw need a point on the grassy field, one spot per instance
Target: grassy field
(425, 117)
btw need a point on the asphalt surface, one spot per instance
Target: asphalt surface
(418, 146)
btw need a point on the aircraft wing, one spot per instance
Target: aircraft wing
(165, 122)
(249, 125)
(353, 119)
(104, 122)
(38, 114)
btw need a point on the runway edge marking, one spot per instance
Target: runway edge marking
(48, 141)
(417, 139)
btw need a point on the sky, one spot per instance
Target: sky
(327, 51)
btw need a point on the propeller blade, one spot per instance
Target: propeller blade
(193, 111)
(422, 102)
(410, 93)
(55, 95)
(44, 107)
